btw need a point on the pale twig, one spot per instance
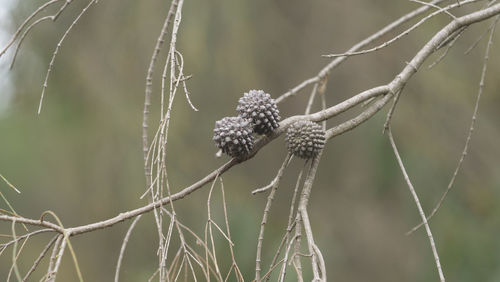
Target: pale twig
(481, 37)
(278, 177)
(274, 185)
(10, 184)
(471, 128)
(53, 256)
(234, 265)
(311, 99)
(210, 232)
(285, 259)
(267, 275)
(40, 257)
(66, 235)
(13, 211)
(172, 61)
(419, 206)
(24, 36)
(391, 110)
(59, 44)
(22, 237)
(291, 222)
(124, 245)
(149, 90)
(323, 102)
(15, 254)
(183, 79)
(302, 209)
(298, 235)
(52, 276)
(436, 7)
(358, 120)
(173, 265)
(336, 62)
(286, 237)
(451, 37)
(26, 21)
(448, 47)
(401, 35)
(321, 263)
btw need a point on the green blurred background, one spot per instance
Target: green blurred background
(82, 158)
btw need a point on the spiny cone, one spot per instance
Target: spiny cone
(305, 139)
(234, 136)
(259, 107)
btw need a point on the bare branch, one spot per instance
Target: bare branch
(336, 62)
(419, 206)
(40, 257)
(59, 44)
(124, 245)
(471, 127)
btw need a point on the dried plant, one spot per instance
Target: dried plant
(182, 253)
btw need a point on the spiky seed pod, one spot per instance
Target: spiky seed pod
(234, 136)
(305, 139)
(259, 107)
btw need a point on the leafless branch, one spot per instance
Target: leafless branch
(471, 127)
(419, 206)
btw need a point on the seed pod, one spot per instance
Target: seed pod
(234, 136)
(259, 107)
(305, 139)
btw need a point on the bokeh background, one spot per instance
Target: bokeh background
(82, 158)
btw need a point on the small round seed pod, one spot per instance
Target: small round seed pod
(259, 107)
(234, 136)
(305, 139)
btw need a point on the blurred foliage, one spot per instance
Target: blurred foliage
(82, 159)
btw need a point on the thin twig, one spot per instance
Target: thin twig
(473, 45)
(59, 44)
(471, 128)
(26, 21)
(419, 206)
(436, 7)
(278, 177)
(124, 246)
(302, 209)
(336, 62)
(270, 198)
(40, 257)
(402, 34)
(448, 47)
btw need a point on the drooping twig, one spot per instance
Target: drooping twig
(419, 206)
(274, 187)
(290, 225)
(471, 128)
(278, 177)
(124, 245)
(27, 20)
(473, 45)
(149, 89)
(40, 257)
(234, 265)
(318, 272)
(59, 44)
